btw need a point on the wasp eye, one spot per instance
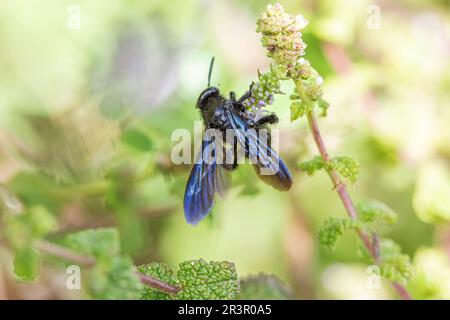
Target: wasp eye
(211, 92)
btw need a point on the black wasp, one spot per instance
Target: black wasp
(208, 175)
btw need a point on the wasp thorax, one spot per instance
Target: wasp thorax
(218, 117)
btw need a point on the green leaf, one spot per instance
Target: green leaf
(21, 229)
(26, 264)
(324, 105)
(35, 189)
(263, 287)
(113, 276)
(311, 166)
(395, 265)
(207, 281)
(40, 221)
(162, 272)
(345, 166)
(102, 243)
(299, 108)
(136, 139)
(198, 279)
(372, 210)
(117, 281)
(334, 228)
(17, 232)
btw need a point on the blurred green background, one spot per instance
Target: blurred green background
(95, 99)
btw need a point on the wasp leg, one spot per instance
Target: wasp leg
(231, 154)
(246, 95)
(230, 167)
(270, 119)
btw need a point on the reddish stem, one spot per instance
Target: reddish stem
(70, 255)
(157, 284)
(340, 188)
(64, 253)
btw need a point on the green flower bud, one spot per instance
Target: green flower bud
(264, 90)
(302, 69)
(314, 91)
(281, 35)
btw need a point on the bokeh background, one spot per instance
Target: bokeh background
(85, 103)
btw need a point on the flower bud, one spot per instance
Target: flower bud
(263, 91)
(281, 35)
(302, 69)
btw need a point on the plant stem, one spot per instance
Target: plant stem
(340, 188)
(157, 284)
(100, 187)
(70, 255)
(64, 253)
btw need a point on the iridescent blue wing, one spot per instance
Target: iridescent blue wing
(205, 180)
(268, 165)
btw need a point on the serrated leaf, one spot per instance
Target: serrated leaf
(299, 108)
(345, 166)
(323, 105)
(263, 287)
(372, 210)
(201, 280)
(137, 140)
(334, 228)
(117, 281)
(311, 166)
(396, 266)
(26, 264)
(102, 243)
(21, 229)
(162, 272)
(113, 276)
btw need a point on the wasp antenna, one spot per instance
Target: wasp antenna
(210, 71)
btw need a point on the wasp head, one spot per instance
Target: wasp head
(209, 96)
